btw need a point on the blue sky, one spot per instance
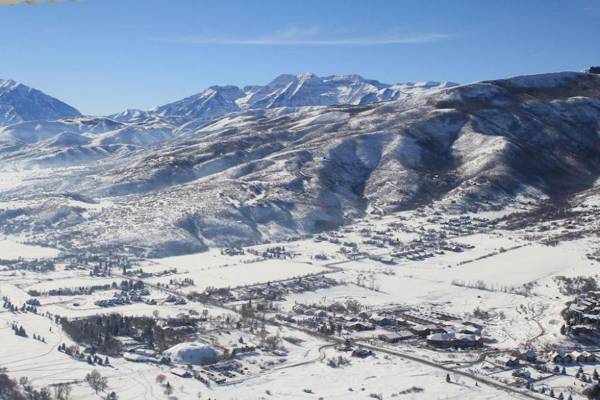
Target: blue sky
(103, 56)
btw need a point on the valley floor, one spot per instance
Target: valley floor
(505, 285)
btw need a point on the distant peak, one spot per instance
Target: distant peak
(8, 83)
(307, 75)
(351, 77)
(224, 87)
(283, 79)
(228, 92)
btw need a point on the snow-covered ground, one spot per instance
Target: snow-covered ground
(508, 273)
(12, 249)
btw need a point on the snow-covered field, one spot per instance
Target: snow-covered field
(507, 273)
(213, 274)
(11, 249)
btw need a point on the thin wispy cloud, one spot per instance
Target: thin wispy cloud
(311, 37)
(14, 2)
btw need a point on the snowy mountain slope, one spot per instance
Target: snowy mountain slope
(34, 143)
(268, 174)
(79, 140)
(431, 149)
(20, 103)
(306, 90)
(130, 115)
(208, 104)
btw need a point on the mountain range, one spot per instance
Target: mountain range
(302, 154)
(305, 90)
(44, 132)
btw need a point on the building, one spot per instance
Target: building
(588, 357)
(470, 330)
(454, 339)
(560, 357)
(241, 348)
(582, 330)
(360, 326)
(555, 357)
(582, 357)
(424, 330)
(507, 361)
(526, 355)
(395, 337)
(182, 373)
(382, 320)
(139, 359)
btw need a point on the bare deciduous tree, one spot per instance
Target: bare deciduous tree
(96, 381)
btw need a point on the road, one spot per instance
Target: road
(477, 378)
(333, 341)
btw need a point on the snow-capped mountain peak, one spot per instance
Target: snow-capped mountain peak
(131, 114)
(7, 84)
(286, 90)
(19, 103)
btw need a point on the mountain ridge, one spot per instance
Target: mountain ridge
(288, 90)
(21, 103)
(271, 174)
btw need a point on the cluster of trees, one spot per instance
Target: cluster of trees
(10, 306)
(181, 282)
(585, 378)
(39, 338)
(37, 265)
(576, 285)
(161, 379)
(125, 285)
(330, 327)
(104, 266)
(128, 285)
(551, 393)
(209, 293)
(92, 358)
(99, 331)
(9, 388)
(30, 305)
(23, 390)
(232, 251)
(97, 382)
(19, 330)
(592, 392)
(272, 252)
(164, 272)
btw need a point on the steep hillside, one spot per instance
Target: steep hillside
(257, 175)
